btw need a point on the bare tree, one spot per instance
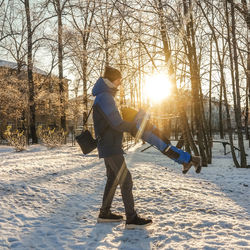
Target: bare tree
(190, 47)
(186, 132)
(14, 28)
(243, 9)
(235, 82)
(82, 16)
(222, 82)
(32, 120)
(22, 45)
(59, 7)
(32, 27)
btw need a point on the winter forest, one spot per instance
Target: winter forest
(186, 63)
(196, 51)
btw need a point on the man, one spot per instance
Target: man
(109, 128)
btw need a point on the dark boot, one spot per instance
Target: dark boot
(138, 222)
(109, 217)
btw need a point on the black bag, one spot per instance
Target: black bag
(86, 142)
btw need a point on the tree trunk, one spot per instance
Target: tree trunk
(221, 113)
(195, 82)
(32, 107)
(210, 87)
(247, 19)
(247, 112)
(237, 88)
(210, 133)
(187, 135)
(60, 65)
(84, 31)
(121, 56)
(246, 13)
(221, 66)
(84, 65)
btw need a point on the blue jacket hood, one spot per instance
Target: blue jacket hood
(100, 87)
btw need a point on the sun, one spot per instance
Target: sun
(157, 87)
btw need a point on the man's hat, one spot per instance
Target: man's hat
(112, 74)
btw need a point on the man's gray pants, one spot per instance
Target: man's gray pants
(118, 174)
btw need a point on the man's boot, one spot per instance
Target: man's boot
(108, 216)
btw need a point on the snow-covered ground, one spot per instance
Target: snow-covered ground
(50, 200)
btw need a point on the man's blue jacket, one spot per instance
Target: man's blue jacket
(108, 124)
(109, 127)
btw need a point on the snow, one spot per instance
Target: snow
(50, 199)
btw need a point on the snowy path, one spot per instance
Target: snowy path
(50, 200)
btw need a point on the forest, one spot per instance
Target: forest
(199, 49)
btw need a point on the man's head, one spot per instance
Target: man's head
(113, 75)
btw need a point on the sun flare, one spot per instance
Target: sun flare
(157, 87)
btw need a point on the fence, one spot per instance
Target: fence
(128, 140)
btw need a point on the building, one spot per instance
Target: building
(14, 109)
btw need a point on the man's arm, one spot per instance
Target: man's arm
(106, 105)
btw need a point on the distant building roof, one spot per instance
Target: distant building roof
(13, 65)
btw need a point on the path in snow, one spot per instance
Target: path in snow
(50, 199)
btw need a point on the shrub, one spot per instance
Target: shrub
(16, 139)
(51, 138)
